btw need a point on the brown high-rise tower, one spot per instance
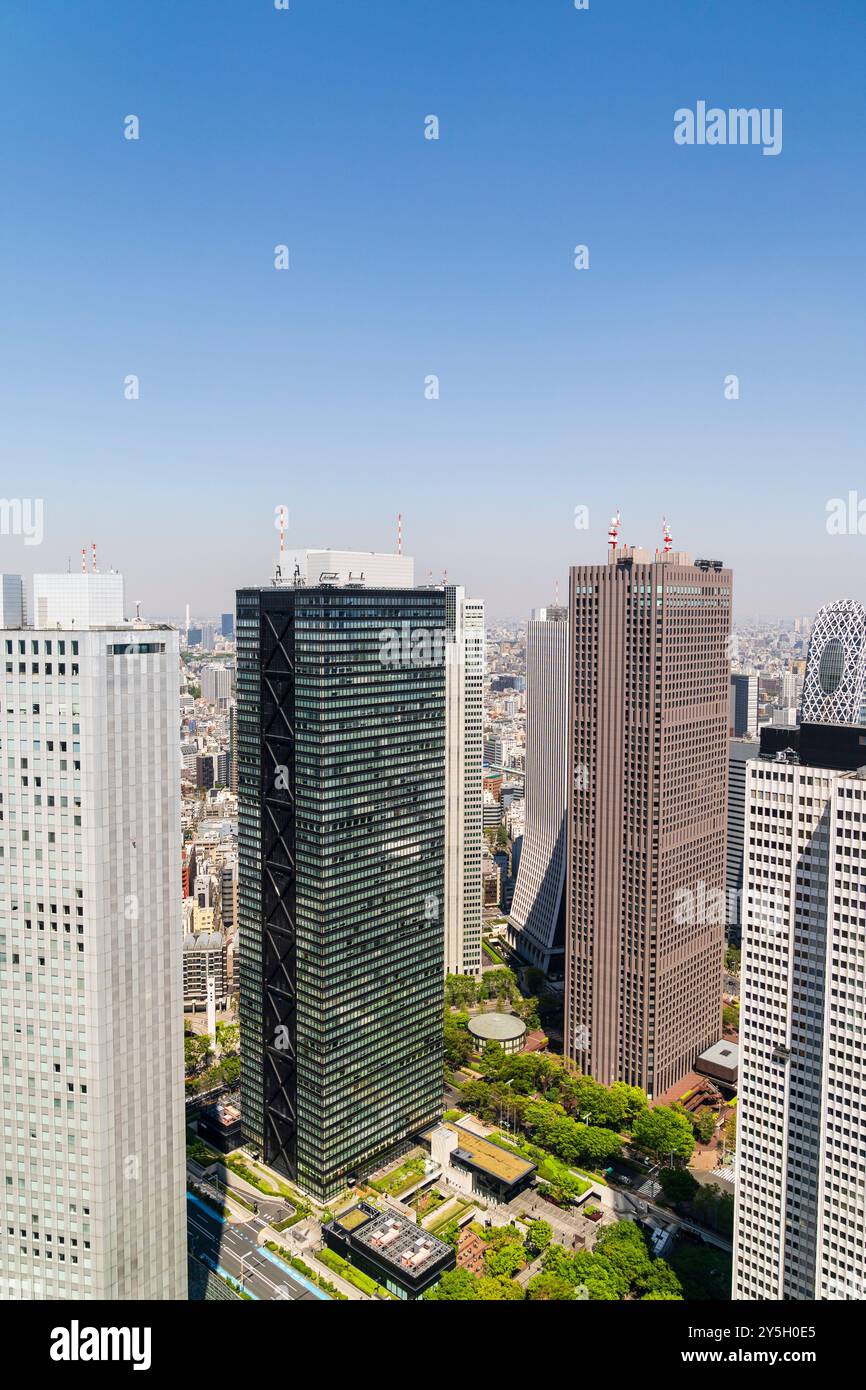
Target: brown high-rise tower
(648, 736)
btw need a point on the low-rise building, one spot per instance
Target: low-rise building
(397, 1253)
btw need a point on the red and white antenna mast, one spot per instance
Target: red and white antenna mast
(613, 532)
(399, 533)
(84, 559)
(668, 538)
(93, 556)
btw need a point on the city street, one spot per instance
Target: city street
(235, 1249)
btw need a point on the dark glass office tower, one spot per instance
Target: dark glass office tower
(341, 785)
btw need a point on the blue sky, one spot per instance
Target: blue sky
(558, 388)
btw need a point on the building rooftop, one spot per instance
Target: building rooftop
(721, 1054)
(392, 1237)
(489, 1157)
(496, 1027)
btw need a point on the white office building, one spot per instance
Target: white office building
(78, 600)
(536, 920)
(464, 775)
(92, 1197)
(801, 1144)
(216, 683)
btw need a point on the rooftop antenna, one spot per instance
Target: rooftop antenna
(84, 559)
(668, 538)
(138, 610)
(613, 532)
(399, 533)
(556, 593)
(93, 556)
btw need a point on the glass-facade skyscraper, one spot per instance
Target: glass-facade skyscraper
(341, 785)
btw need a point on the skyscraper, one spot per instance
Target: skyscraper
(464, 774)
(537, 918)
(801, 1130)
(341, 785)
(834, 688)
(740, 752)
(648, 731)
(744, 706)
(227, 624)
(91, 1036)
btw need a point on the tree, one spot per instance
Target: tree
(230, 1069)
(549, 1287)
(538, 1237)
(493, 1056)
(731, 1017)
(623, 1248)
(457, 1041)
(455, 1286)
(703, 1271)
(493, 1290)
(678, 1185)
(505, 1261)
(196, 1051)
(662, 1130)
(704, 1124)
(450, 1234)
(662, 1281)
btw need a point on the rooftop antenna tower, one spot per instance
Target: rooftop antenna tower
(399, 533)
(668, 538)
(93, 556)
(84, 559)
(613, 532)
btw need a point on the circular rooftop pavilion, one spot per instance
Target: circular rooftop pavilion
(507, 1029)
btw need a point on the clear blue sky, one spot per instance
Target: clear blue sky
(410, 257)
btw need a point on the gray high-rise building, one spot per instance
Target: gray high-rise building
(537, 918)
(341, 783)
(12, 601)
(648, 753)
(743, 718)
(740, 753)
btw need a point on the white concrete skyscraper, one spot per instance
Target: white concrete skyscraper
(801, 1181)
(536, 921)
(801, 1147)
(464, 832)
(92, 1202)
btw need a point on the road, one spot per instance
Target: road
(235, 1249)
